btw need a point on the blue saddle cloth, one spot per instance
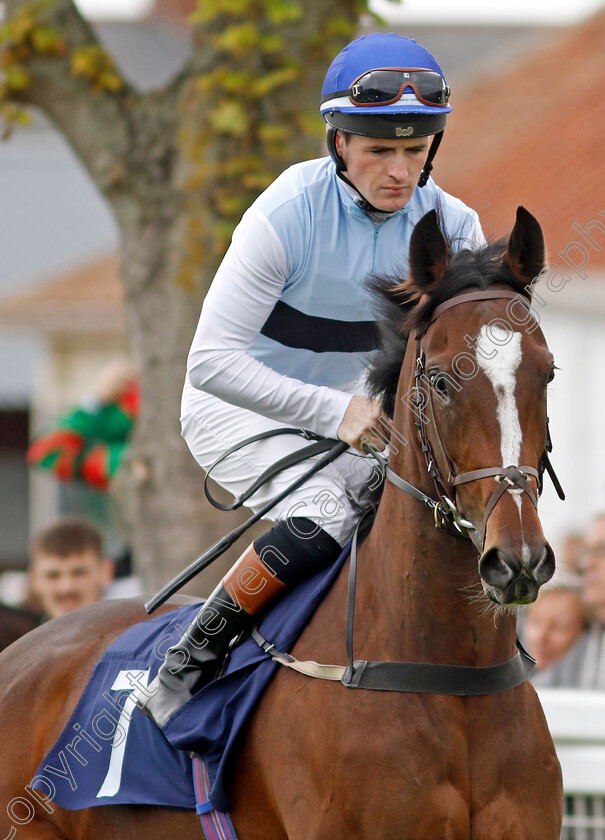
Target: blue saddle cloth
(111, 753)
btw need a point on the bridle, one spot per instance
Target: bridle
(511, 478)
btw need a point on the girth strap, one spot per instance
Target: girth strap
(308, 667)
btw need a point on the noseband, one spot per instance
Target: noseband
(514, 479)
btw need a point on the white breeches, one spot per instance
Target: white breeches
(210, 426)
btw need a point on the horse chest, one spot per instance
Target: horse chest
(364, 759)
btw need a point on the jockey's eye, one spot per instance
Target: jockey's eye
(438, 381)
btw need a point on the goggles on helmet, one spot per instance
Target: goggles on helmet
(385, 85)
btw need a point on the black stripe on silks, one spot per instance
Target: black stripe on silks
(293, 328)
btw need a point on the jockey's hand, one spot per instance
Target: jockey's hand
(360, 424)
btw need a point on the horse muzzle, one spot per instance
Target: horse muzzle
(515, 578)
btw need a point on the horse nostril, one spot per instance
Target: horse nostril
(542, 565)
(494, 569)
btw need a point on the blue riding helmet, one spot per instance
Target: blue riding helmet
(387, 86)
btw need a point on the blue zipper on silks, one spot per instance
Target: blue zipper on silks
(375, 240)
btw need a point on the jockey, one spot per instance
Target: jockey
(286, 332)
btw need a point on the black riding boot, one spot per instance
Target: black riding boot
(245, 592)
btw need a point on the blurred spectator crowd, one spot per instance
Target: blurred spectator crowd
(69, 564)
(565, 628)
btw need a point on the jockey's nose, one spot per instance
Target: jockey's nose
(398, 168)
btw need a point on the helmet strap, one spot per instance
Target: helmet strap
(428, 166)
(331, 143)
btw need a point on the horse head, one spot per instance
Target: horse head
(472, 393)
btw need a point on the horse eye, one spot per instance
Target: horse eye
(439, 382)
(551, 375)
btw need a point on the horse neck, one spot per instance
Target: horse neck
(420, 586)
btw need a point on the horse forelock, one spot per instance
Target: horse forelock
(403, 307)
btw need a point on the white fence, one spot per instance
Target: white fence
(577, 723)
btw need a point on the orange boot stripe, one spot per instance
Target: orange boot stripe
(251, 584)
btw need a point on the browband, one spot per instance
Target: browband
(485, 294)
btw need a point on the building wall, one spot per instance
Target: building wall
(576, 409)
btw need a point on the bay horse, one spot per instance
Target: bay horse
(463, 381)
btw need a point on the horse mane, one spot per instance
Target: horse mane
(402, 307)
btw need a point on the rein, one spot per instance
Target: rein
(326, 448)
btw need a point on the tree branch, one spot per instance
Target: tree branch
(84, 95)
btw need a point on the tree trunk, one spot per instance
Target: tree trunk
(158, 488)
(179, 167)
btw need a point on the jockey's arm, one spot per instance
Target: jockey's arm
(244, 291)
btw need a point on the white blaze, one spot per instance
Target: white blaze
(501, 370)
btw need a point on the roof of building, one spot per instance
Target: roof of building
(532, 134)
(88, 298)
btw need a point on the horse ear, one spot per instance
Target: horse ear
(526, 252)
(429, 253)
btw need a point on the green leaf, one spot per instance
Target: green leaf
(47, 41)
(274, 133)
(207, 10)
(281, 12)
(16, 77)
(270, 81)
(229, 117)
(238, 39)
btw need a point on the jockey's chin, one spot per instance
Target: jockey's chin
(391, 199)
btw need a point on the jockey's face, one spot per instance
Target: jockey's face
(63, 584)
(385, 172)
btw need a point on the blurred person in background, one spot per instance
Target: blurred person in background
(14, 623)
(592, 569)
(568, 557)
(85, 447)
(68, 567)
(584, 666)
(552, 628)
(87, 443)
